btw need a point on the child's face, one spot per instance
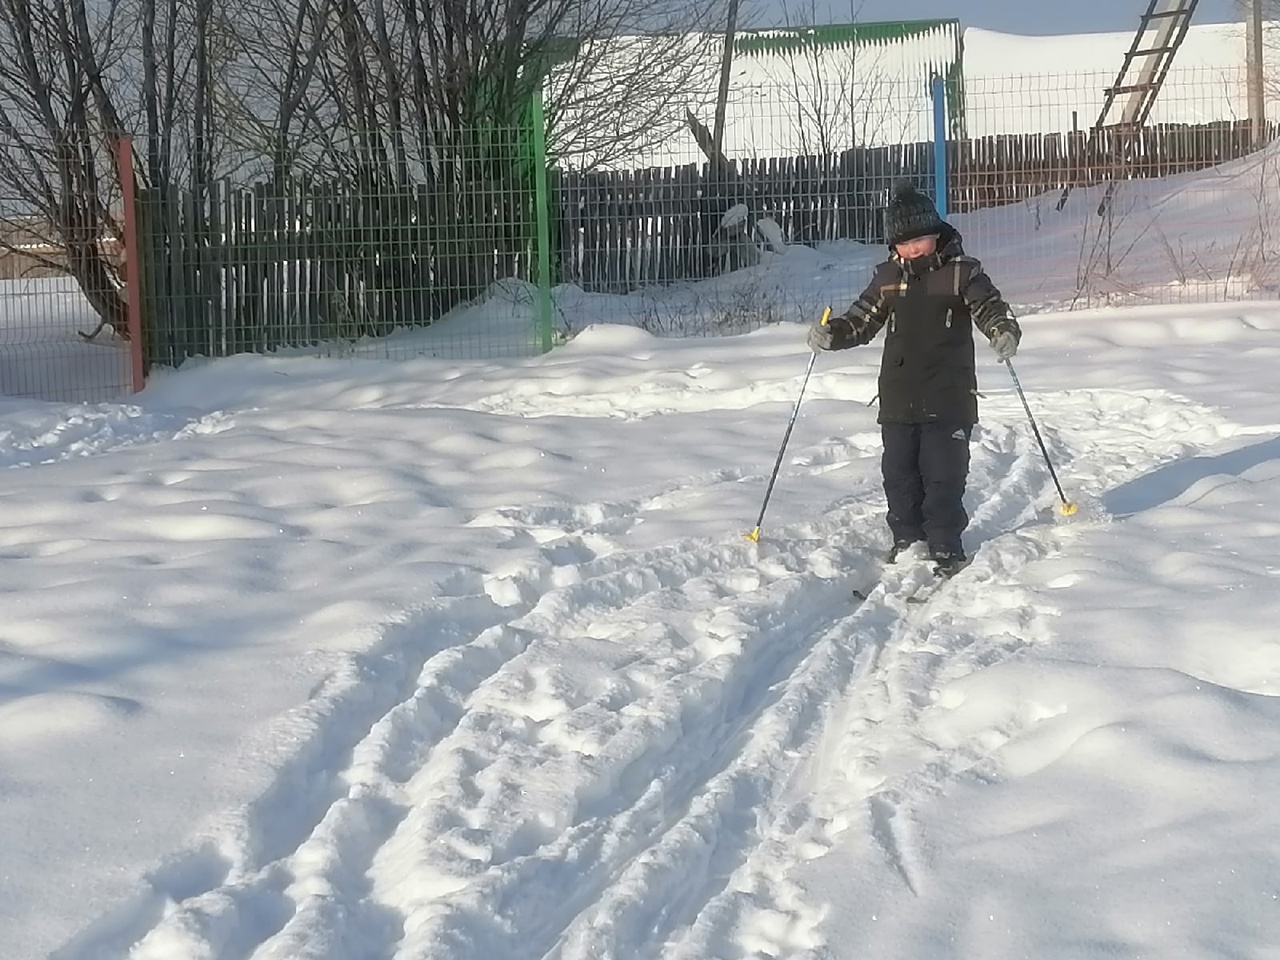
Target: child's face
(917, 248)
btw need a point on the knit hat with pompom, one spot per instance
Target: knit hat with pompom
(910, 215)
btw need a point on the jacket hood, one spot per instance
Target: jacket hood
(950, 246)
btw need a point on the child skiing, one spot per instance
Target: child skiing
(931, 296)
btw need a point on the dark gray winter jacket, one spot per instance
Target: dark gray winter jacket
(930, 306)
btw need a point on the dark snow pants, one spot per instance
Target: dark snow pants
(925, 467)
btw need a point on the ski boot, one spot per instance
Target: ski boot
(947, 563)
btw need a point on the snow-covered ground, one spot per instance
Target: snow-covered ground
(341, 658)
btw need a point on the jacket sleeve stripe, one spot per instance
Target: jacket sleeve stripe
(990, 313)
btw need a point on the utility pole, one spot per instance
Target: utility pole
(1257, 89)
(726, 63)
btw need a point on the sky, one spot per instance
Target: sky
(337, 657)
(1009, 16)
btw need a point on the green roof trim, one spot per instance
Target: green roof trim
(794, 39)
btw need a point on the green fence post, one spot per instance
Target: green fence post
(543, 201)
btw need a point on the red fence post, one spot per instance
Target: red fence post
(131, 272)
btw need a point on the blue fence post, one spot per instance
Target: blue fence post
(940, 145)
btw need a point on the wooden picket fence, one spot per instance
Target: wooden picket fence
(618, 231)
(303, 262)
(299, 263)
(994, 171)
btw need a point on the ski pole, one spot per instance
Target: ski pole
(754, 535)
(1068, 508)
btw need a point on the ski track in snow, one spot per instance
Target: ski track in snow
(45, 434)
(478, 786)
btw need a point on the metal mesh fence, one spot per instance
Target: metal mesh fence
(455, 252)
(62, 334)
(1179, 210)
(435, 257)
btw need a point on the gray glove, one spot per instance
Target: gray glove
(821, 337)
(1005, 344)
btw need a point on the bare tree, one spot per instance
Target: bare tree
(74, 76)
(838, 96)
(399, 83)
(412, 77)
(57, 132)
(243, 84)
(386, 92)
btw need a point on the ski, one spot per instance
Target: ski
(902, 579)
(925, 592)
(930, 587)
(916, 590)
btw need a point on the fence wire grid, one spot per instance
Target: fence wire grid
(488, 248)
(53, 344)
(393, 261)
(1177, 211)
